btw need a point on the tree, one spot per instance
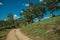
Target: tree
(51, 5)
(28, 16)
(40, 10)
(10, 19)
(37, 10)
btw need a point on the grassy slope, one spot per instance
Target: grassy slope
(39, 32)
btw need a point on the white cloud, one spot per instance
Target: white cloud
(16, 17)
(40, 0)
(26, 5)
(21, 11)
(5, 19)
(1, 3)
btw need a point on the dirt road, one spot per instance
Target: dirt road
(16, 34)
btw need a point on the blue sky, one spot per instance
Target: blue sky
(14, 7)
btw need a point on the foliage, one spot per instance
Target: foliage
(52, 5)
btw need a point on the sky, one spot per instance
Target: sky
(15, 7)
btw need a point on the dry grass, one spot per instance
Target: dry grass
(44, 30)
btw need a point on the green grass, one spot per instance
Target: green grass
(53, 20)
(37, 31)
(3, 34)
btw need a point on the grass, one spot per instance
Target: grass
(40, 30)
(3, 34)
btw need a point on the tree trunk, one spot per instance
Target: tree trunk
(31, 21)
(52, 15)
(39, 19)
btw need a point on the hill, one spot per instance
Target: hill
(48, 29)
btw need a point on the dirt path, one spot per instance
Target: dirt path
(16, 34)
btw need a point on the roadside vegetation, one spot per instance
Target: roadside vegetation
(3, 34)
(43, 30)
